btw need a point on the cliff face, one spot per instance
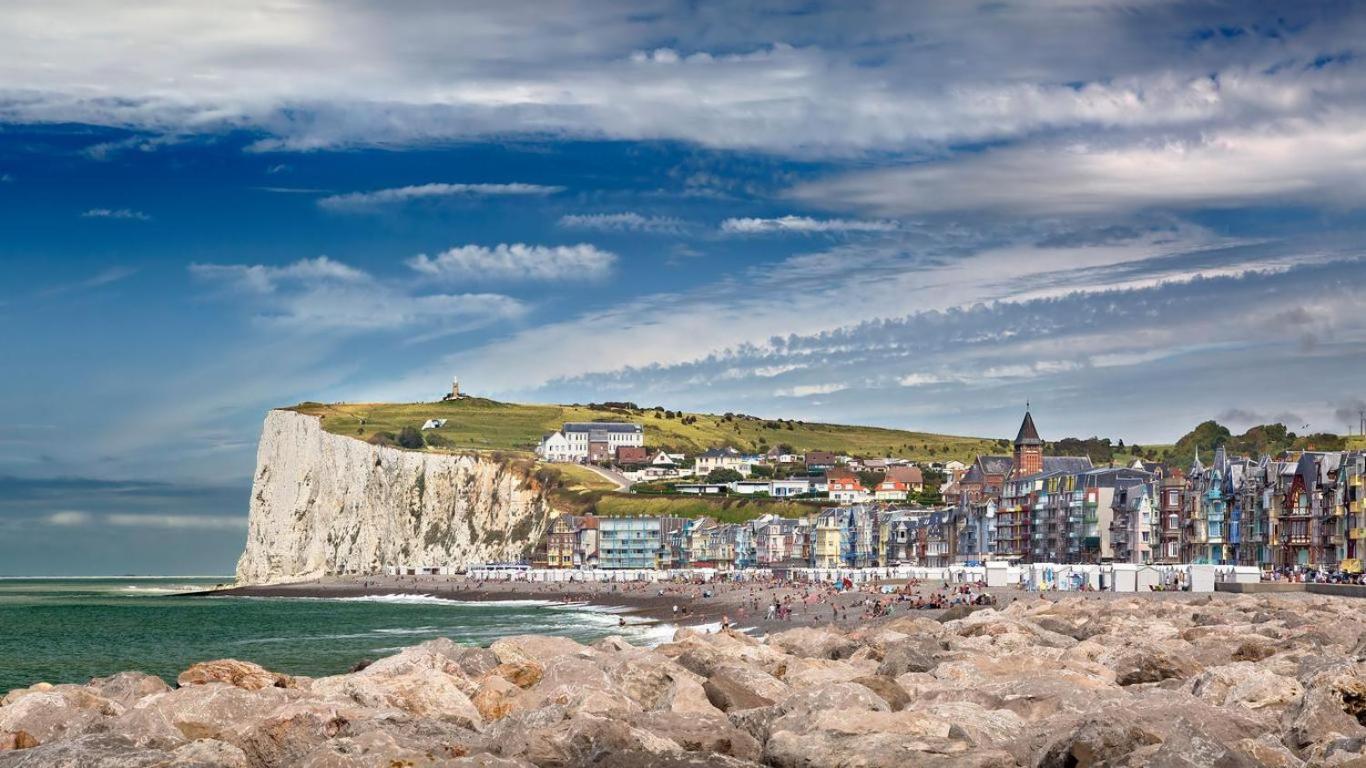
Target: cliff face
(325, 504)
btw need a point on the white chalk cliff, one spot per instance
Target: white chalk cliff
(327, 504)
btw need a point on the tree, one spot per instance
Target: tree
(723, 475)
(410, 438)
(761, 470)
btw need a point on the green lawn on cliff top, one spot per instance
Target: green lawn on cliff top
(489, 425)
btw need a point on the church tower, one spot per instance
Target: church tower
(1028, 448)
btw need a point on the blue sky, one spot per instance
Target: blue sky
(1135, 215)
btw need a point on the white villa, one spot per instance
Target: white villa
(589, 440)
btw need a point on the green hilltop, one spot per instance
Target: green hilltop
(482, 424)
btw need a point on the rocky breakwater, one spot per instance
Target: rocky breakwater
(326, 504)
(1242, 681)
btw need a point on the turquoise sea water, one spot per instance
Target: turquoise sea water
(69, 630)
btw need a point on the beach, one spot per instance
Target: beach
(742, 605)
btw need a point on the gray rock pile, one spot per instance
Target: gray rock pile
(1234, 681)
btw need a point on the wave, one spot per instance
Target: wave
(132, 590)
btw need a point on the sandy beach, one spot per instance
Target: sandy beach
(743, 604)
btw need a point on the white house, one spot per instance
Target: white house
(793, 486)
(722, 458)
(590, 440)
(751, 487)
(556, 447)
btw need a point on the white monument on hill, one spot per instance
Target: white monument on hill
(455, 389)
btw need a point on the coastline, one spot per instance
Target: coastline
(742, 604)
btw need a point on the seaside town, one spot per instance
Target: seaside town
(1301, 514)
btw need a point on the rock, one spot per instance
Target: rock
(206, 753)
(814, 643)
(240, 674)
(958, 612)
(428, 694)
(1254, 650)
(637, 759)
(96, 750)
(17, 740)
(727, 693)
(127, 688)
(713, 734)
(1164, 731)
(536, 648)
(886, 688)
(209, 711)
(910, 656)
(19, 693)
(1248, 685)
(612, 644)
(494, 698)
(1150, 666)
(291, 733)
(1330, 709)
(522, 674)
(815, 673)
(56, 712)
(579, 740)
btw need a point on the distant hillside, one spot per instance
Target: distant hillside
(1263, 439)
(490, 425)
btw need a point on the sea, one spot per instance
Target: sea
(69, 630)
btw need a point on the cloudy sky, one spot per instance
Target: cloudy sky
(1134, 214)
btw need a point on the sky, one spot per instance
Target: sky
(1135, 215)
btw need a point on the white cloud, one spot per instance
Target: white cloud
(69, 518)
(516, 261)
(629, 221)
(1321, 161)
(804, 225)
(262, 278)
(178, 522)
(362, 201)
(806, 390)
(116, 213)
(322, 294)
(315, 74)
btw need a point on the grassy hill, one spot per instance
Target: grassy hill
(490, 425)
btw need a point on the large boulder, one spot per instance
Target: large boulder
(127, 688)
(814, 643)
(734, 687)
(887, 688)
(215, 711)
(56, 712)
(711, 734)
(1152, 665)
(578, 740)
(1331, 709)
(538, 648)
(1248, 685)
(241, 674)
(95, 750)
(429, 694)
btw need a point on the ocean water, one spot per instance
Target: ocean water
(69, 630)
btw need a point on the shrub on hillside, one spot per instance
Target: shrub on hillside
(410, 438)
(723, 476)
(383, 438)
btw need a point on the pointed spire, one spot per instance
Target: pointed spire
(1028, 434)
